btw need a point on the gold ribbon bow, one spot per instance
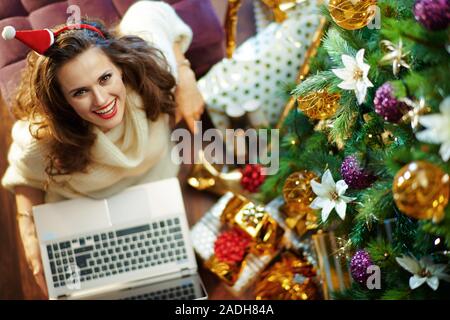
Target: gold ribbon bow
(255, 221)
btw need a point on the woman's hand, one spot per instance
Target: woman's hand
(32, 251)
(26, 198)
(190, 103)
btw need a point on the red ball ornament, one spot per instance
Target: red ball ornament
(231, 245)
(252, 177)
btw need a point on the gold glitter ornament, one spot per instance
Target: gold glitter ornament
(421, 190)
(297, 191)
(352, 14)
(319, 105)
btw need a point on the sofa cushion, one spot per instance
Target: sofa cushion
(122, 5)
(14, 9)
(55, 12)
(31, 5)
(104, 10)
(207, 45)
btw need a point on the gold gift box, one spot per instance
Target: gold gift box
(301, 221)
(289, 277)
(269, 237)
(255, 221)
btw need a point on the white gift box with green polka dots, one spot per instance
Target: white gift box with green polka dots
(261, 67)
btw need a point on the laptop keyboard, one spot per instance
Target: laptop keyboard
(184, 292)
(95, 256)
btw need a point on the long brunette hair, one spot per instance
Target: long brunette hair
(40, 100)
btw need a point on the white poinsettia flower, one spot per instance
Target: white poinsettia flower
(330, 195)
(423, 271)
(437, 129)
(355, 75)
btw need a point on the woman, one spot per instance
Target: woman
(95, 109)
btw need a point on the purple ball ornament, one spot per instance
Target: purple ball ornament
(355, 176)
(433, 14)
(387, 106)
(358, 266)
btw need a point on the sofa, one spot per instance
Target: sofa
(206, 49)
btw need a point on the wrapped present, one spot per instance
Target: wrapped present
(230, 249)
(236, 239)
(255, 221)
(328, 253)
(333, 257)
(292, 238)
(289, 277)
(243, 91)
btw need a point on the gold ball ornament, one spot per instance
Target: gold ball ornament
(297, 190)
(319, 105)
(421, 190)
(352, 14)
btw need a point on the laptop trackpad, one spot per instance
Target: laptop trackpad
(128, 206)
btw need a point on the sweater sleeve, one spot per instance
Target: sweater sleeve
(26, 160)
(158, 24)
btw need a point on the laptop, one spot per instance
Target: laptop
(133, 245)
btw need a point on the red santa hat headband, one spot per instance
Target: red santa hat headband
(41, 40)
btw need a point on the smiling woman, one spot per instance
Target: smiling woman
(95, 109)
(79, 94)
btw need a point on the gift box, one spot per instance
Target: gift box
(236, 239)
(245, 91)
(292, 239)
(322, 249)
(290, 276)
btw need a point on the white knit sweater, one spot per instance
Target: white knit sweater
(134, 152)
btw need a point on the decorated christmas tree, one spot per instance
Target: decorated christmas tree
(366, 147)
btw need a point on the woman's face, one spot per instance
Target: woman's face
(93, 86)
